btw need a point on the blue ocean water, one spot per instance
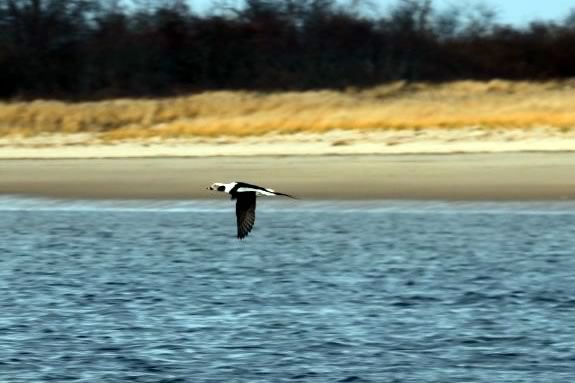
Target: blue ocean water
(384, 291)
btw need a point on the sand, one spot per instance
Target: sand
(486, 176)
(405, 141)
(444, 164)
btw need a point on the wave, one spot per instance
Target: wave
(19, 203)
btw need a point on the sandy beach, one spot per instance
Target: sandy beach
(466, 140)
(473, 176)
(337, 142)
(445, 164)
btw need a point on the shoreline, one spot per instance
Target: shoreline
(523, 176)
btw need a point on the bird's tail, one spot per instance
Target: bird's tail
(285, 195)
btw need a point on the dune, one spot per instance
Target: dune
(463, 140)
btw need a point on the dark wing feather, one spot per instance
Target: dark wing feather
(245, 213)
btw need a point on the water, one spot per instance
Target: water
(319, 292)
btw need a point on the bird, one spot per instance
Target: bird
(245, 196)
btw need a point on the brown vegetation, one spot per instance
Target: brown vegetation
(493, 104)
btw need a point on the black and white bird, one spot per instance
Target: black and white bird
(245, 196)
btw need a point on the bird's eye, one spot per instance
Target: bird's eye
(221, 188)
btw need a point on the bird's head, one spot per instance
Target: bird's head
(218, 187)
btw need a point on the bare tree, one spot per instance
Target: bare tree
(108, 48)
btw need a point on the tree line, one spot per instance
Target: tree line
(90, 49)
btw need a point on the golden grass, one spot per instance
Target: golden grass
(493, 104)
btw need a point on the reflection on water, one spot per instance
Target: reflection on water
(320, 292)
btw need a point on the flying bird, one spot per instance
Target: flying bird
(245, 196)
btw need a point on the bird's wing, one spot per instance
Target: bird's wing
(245, 213)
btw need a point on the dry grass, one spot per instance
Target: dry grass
(494, 104)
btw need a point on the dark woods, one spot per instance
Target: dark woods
(96, 49)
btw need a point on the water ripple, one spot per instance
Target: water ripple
(323, 292)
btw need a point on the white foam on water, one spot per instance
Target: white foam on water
(19, 203)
